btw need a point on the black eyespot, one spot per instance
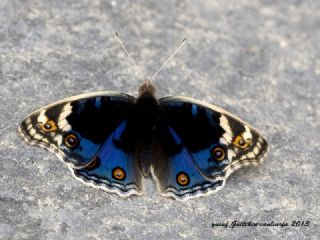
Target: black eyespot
(218, 153)
(71, 140)
(240, 142)
(48, 126)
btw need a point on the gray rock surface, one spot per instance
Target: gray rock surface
(258, 59)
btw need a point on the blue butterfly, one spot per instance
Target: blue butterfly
(111, 141)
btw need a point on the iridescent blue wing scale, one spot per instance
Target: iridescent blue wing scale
(175, 171)
(214, 142)
(114, 168)
(78, 129)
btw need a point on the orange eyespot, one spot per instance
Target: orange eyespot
(48, 126)
(71, 140)
(240, 142)
(182, 179)
(218, 153)
(118, 173)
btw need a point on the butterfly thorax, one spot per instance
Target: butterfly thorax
(146, 110)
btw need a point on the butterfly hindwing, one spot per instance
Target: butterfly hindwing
(114, 167)
(212, 140)
(175, 171)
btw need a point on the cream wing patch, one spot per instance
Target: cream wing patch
(42, 118)
(62, 121)
(247, 133)
(228, 135)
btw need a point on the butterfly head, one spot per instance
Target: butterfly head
(147, 89)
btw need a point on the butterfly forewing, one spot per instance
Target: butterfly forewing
(82, 129)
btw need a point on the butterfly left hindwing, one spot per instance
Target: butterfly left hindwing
(82, 131)
(210, 141)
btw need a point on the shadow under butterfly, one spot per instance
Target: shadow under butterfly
(111, 141)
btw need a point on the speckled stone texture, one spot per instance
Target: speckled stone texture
(256, 58)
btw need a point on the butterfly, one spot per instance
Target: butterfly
(111, 141)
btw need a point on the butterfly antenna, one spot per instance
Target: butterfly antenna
(169, 58)
(125, 50)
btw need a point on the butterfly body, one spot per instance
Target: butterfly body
(112, 141)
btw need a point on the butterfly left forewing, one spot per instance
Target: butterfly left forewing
(75, 128)
(217, 142)
(86, 132)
